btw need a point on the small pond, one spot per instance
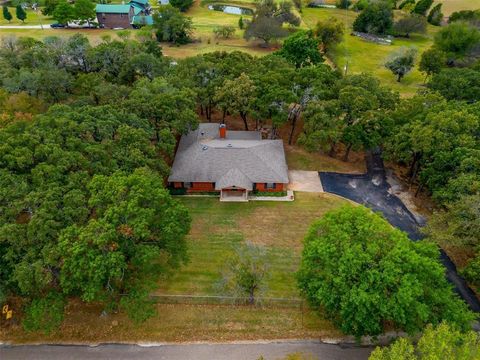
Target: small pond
(231, 9)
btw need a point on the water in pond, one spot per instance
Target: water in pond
(231, 9)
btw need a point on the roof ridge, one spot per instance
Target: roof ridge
(263, 161)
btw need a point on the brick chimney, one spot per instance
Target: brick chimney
(222, 130)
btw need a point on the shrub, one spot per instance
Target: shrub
(44, 314)
(224, 31)
(376, 18)
(270, 193)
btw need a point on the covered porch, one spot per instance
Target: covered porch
(234, 186)
(234, 195)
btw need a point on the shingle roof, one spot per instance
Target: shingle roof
(243, 157)
(234, 178)
(112, 9)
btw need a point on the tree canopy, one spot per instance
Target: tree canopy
(376, 18)
(440, 342)
(363, 273)
(301, 49)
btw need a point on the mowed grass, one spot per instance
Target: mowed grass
(450, 6)
(217, 228)
(204, 22)
(33, 18)
(179, 323)
(300, 159)
(356, 55)
(94, 35)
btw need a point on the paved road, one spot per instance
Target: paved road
(248, 351)
(44, 26)
(372, 190)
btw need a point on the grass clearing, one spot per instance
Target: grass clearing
(300, 159)
(450, 6)
(366, 57)
(33, 18)
(217, 227)
(179, 323)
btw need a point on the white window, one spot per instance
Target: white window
(270, 185)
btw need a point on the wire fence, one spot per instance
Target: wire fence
(228, 300)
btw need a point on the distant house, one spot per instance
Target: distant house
(135, 13)
(212, 159)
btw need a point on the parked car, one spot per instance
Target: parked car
(57, 26)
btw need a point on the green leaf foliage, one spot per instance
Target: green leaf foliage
(422, 7)
(301, 49)
(172, 26)
(182, 5)
(362, 273)
(20, 13)
(441, 342)
(6, 13)
(376, 18)
(44, 314)
(137, 223)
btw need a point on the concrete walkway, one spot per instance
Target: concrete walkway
(308, 181)
(234, 351)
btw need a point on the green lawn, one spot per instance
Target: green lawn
(33, 18)
(300, 159)
(217, 227)
(450, 6)
(364, 56)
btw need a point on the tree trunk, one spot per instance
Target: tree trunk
(331, 153)
(294, 122)
(251, 297)
(293, 116)
(420, 187)
(414, 168)
(273, 134)
(244, 118)
(399, 78)
(349, 147)
(223, 115)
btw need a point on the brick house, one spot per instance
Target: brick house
(112, 16)
(234, 163)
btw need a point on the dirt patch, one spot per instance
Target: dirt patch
(420, 203)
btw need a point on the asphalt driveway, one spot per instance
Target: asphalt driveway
(372, 190)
